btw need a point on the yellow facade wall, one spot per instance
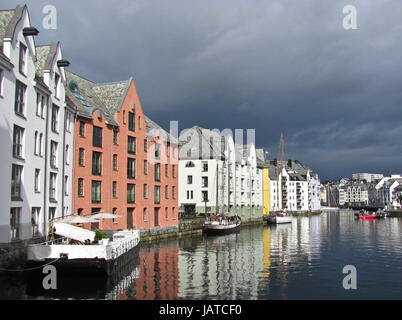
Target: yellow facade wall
(265, 190)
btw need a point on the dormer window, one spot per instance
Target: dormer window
(23, 59)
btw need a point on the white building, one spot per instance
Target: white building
(353, 192)
(36, 183)
(211, 167)
(387, 190)
(298, 188)
(369, 177)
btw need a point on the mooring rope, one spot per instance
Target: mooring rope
(29, 269)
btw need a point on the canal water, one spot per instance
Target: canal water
(302, 260)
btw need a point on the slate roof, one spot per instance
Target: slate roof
(80, 91)
(112, 94)
(5, 18)
(153, 128)
(203, 144)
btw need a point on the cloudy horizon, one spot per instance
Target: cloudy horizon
(275, 66)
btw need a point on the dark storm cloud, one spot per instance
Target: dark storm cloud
(277, 66)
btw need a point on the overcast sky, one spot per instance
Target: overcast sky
(276, 66)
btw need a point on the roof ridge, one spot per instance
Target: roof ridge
(111, 83)
(77, 75)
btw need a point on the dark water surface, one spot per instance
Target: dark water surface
(302, 260)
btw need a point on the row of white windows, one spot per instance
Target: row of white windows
(18, 146)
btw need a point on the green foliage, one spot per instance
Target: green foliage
(99, 235)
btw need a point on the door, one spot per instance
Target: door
(130, 214)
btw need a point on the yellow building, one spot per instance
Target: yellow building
(265, 190)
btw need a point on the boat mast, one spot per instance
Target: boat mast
(281, 171)
(217, 188)
(228, 180)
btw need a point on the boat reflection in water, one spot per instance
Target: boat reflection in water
(85, 286)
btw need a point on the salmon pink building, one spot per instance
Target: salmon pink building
(124, 162)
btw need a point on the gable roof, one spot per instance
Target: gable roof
(80, 91)
(152, 127)
(5, 19)
(112, 94)
(207, 144)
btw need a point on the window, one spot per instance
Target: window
(82, 129)
(68, 122)
(18, 135)
(66, 185)
(1, 82)
(190, 164)
(166, 192)
(80, 187)
(191, 194)
(115, 162)
(114, 189)
(96, 191)
(38, 104)
(204, 182)
(131, 193)
(145, 167)
(56, 85)
(55, 118)
(131, 121)
(53, 154)
(174, 171)
(52, 213)
(166, 213)
(67, 155)
(16, 174)
(23, 59)
(15, 217)
(157, 172)
(145, 191)
(189, 179)
(205, 166)
(157, 151)
(131, 145)
(41, 144)
(52, 186)
(144, 214)
(43, 105)
(173, 213)
(97, 137)
(131, 168)
(173, 192)
(205, 196)
(19, 106)
(166, 170)
(35, 213)
(81, 157)
(145, 145)
(115, 137)
(157, 194)
(96, 163)
(124, 117)
(36, 143)
(37, 180)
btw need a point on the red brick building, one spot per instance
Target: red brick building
(113, 167)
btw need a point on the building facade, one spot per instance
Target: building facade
(36, 130)
(119, 158)
(218, 176)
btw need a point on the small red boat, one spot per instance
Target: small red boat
(364, 215)
(369, 217)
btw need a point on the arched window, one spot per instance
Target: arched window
(190, 164)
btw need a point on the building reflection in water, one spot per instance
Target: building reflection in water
(222, 267)
(158, 279)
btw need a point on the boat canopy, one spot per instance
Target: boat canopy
(72, 232)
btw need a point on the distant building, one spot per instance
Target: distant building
(216, 175)
(369, 177)
(388, 190)
(353, 192)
